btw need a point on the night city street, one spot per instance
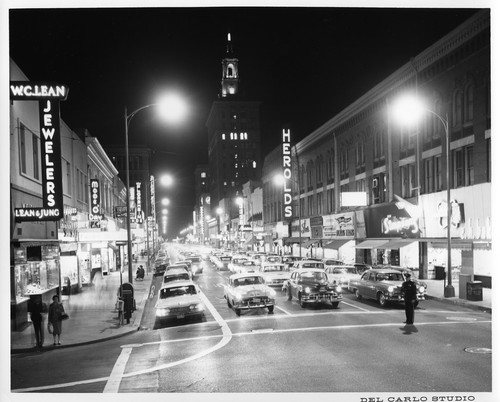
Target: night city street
(277, 201)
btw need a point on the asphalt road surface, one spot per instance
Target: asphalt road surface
(359, 347)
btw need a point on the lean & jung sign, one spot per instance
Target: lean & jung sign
(48, 97)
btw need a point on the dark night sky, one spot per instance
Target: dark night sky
(304, 65)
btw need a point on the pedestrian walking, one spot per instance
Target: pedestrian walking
(409, 289)
(36, 310)
(56, 315)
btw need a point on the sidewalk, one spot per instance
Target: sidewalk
(93, 317)
(92, 313)
(435, 291)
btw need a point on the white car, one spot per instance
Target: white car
(308, 264)
(248, 291)
(275, 274)
(178, 299)
(342, 274)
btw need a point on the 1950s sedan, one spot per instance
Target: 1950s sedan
(382, 285)
(247, 291)
(178, 299)
(311, 285)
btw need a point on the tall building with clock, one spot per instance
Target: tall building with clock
(234, 154)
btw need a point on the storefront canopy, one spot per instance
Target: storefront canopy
(335, 244)
(307, 243)
(394, 244)
(291, 240)
(371, 244)
(96, 235)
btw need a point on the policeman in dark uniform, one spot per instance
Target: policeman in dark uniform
(409, 289)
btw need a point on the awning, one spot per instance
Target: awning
(250, 240)
(455, 244)
(307, 243)
(113, 247)
(394, 244)
(96, 235)
(335, 244)
(290, 240)
(371, 244)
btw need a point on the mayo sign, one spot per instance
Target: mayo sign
(48, 96)
(287, 174)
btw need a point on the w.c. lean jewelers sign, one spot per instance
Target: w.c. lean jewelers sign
(48, 96)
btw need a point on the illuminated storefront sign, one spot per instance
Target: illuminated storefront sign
(138, 202)
(95, 215)
(339, 226)
(48, 96)
(392, 220)
(287, 174)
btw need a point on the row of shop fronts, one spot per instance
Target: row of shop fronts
(398, 233)
(73, 262)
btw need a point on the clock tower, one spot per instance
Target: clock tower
(230, 76)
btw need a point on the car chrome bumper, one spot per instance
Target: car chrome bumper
(254, 303)
(321, 297)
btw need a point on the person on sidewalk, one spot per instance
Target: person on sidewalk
(409, 289)
(36, 310)
(56, 310)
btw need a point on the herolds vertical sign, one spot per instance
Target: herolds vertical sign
(287, 174)
(48, 97)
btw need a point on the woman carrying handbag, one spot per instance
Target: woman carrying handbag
(56, 316)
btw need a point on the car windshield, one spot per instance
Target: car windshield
(177, 291)
(309, 276)
(274, 268)
(390, 276)
(333, 262)
(170, 278)
(249, 280)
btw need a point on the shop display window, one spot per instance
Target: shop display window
(35, 277)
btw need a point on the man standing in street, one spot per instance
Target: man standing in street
(409, 289)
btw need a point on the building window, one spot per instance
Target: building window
(22, 148)
(458, 159)
(310, 205)
(438, 182)
(319, 203)
(405, 186)
(469, 166)
(330, 167)
(457, 108)
(319, 171)
(469, 103)
(330, 199)
(428, 186)
(360, 157)
(344, 164)
(437, 126)
(378, 148)
(36, 158)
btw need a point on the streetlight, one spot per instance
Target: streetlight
(173, 109)
(409, 110)
(279, 180)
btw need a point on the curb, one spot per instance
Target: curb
(460, 302)
(52, 347)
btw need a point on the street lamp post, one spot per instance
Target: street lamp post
(409, 109)
(174, 109)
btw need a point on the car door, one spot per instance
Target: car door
(293, 284)
(371, 285)
(364, 285)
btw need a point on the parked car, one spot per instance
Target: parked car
(310, 285)
(361, 267)
(160, 268)
(248, 291)
(342, 274)
(332, 261)
(309, 264)
(275, 274)
(178, 299)
(236, 262)
(245, 266)
(179, 265)
(413, 274)
(382, 285)
(176, 274)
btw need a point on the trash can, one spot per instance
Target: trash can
(440, 272)
(475, 291)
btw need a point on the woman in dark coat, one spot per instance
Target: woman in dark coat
(56, 310)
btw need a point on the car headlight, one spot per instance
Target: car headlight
(238, 296)
(272, 292)
(162, 312)
(307, 290)
(338, 289)
(390, 289)
(196, 307)
(421, 289)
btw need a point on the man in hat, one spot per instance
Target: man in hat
(409, 289)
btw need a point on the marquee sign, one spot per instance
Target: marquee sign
(48, 96)
(138, 202)
(95, 215)
(287, 174)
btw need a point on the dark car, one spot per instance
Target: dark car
(310, 285)
(160, 268)
(382, 285)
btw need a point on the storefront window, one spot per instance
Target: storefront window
(36, 277)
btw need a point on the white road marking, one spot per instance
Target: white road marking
(115, 378)
(352, 305)
(282, 309)
(226, 337)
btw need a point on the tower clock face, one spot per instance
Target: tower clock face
(207, 200)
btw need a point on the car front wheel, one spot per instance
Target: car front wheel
(382, 300)
(237, 311)
(270, 309)
(301, 302)
(335, 304)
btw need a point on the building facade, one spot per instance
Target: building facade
(367, 189)
(233, 135)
